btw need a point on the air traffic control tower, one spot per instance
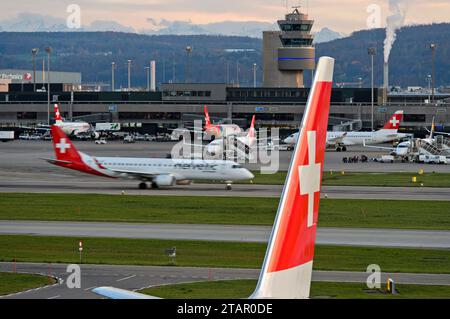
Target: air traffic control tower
(289, 52)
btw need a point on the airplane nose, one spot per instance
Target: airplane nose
(249, 174)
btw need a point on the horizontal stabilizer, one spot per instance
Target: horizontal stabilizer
(56, 162)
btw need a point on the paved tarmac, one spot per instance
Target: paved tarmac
(25, 156)
(234, 233)
(138, 277)
(68, 182)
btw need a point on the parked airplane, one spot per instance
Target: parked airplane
(425, 146)
(340, 140)
(287, 269)
(216, 147)
(156, 171)
(219, 130)
(71, 128)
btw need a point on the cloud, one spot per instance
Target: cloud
(342, 15)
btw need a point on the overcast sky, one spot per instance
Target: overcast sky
(339, 15)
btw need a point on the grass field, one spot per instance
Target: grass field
(365, 179)
(220, 210)
(240, 289)
(13, 282)
(212, 254)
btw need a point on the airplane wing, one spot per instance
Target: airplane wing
(116, 293)
(55, 161)
(135, 174)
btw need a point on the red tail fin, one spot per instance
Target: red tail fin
(64, 148)
(394, 121)
(58, 117)
(207, 119)
(288, 264)
(251, 132)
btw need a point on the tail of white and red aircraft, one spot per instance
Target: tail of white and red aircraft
(287, 268)
(69, 157)
(207, 119)
(394, 122)
(252, 132)
(58, 118)
(63, 146)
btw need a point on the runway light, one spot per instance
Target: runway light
(421, 172)
(414, 179)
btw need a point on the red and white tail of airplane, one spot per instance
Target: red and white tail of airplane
(69, 157)
(251, 136)
(207, 119)
(58, 117)
(394, 122)
(287, 268)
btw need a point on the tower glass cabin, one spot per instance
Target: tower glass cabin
(289, 52)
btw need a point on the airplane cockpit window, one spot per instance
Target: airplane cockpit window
(236, 166)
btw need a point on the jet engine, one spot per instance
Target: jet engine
(164, 180)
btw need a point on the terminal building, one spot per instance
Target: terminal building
(288, 54)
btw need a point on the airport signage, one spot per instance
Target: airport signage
(16, 76)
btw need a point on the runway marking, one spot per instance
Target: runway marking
(54, 297)
(129, 277)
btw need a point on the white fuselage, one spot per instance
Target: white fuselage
(355, 138)
(74, 128)
(180, 169)
(223, 130)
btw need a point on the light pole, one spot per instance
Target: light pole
(372, 52)
(113, 76)
(48, 50)
(188, 53)
(429, 87)
(129, 75)
(34, 52)
(254, 75)
(237, 73)
(147, 69)
(433, 47)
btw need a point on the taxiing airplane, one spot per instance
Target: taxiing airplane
(156, 171)
(287, 269)
(340, 140)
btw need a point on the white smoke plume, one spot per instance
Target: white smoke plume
(395, 20)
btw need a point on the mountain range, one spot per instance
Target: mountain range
(30, 22)
(226, 58)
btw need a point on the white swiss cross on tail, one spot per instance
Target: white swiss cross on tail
(62, 145)
(309, 177)
(395, 122)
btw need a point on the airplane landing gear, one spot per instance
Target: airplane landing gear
(344, 148)
(155, 186)
(228, 187)
(143, 185)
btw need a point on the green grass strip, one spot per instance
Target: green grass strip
(401, 214)
(13, 282)
(239, 289)
(212, 254)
